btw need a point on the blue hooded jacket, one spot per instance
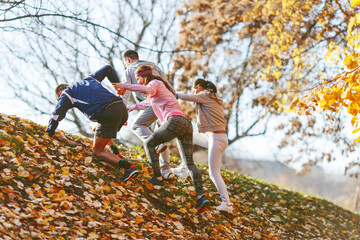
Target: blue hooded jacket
(88, 95)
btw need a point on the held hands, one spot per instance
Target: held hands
(119, 90)
(117, 85)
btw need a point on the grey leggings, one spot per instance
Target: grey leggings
(180, 128)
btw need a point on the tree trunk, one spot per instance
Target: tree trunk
(357, 198)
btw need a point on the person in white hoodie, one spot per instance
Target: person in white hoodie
(145, 118)
(212, 135)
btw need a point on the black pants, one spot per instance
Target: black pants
(111, 120)
(180, 128)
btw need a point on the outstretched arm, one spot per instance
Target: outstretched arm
(198, 98)
(139, 106)
(61, 108)
(150, 89)
(106, 71)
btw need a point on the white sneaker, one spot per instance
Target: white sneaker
(180, 172)
(166, 173)
(160, 148)
(225, 207)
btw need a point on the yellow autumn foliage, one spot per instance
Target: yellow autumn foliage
(355, 3)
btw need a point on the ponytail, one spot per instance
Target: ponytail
(207, 85)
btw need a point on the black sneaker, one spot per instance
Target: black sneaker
(155, 181)
(202, 203)
(130, 173)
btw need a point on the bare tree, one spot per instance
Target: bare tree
(357, 197)
(54, 42)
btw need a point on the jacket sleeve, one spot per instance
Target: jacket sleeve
(198, 98)
(150, 89)
(126, 79)
(106, 71)
(142, 105)
(59, 113)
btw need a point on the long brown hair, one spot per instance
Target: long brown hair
(146, 72)
(207, 85)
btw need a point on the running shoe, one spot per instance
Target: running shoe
(130, 173)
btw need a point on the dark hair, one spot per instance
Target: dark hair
(59, 89)
(131, 54)
(149, 77)
(206, 85)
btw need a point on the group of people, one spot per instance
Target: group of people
(157, 103)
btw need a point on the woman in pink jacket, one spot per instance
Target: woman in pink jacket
(174, 124)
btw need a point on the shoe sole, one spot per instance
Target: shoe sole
(132, 175)
(203, 206)
(161, 150)
(181, 177)
(167, 176)
(224, 211)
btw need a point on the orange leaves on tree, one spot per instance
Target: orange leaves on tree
(352, 61)
(341, 91)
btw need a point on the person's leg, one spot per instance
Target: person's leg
(185, 146)
(110, 122)
(141, 128)
(99, 151)
(184, 131)
(161, 135)
(142, 122)
(217, 145)
(164, 155)
(111, 145)
(200, 139)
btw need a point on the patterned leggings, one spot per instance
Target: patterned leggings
(180, 128)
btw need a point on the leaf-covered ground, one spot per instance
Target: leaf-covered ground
(52, 188)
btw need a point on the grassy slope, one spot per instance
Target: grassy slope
(52, 188)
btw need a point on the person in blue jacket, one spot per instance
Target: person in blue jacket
(99, 105)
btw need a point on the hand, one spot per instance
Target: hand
(121, 91)
(50, 132)
(52, 127)
(131, 108)
(117, 85)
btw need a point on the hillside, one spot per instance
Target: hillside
(337, 188)
(52, 188)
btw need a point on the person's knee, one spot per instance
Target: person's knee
(96, 152)
(134, 126)
(149, 143)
